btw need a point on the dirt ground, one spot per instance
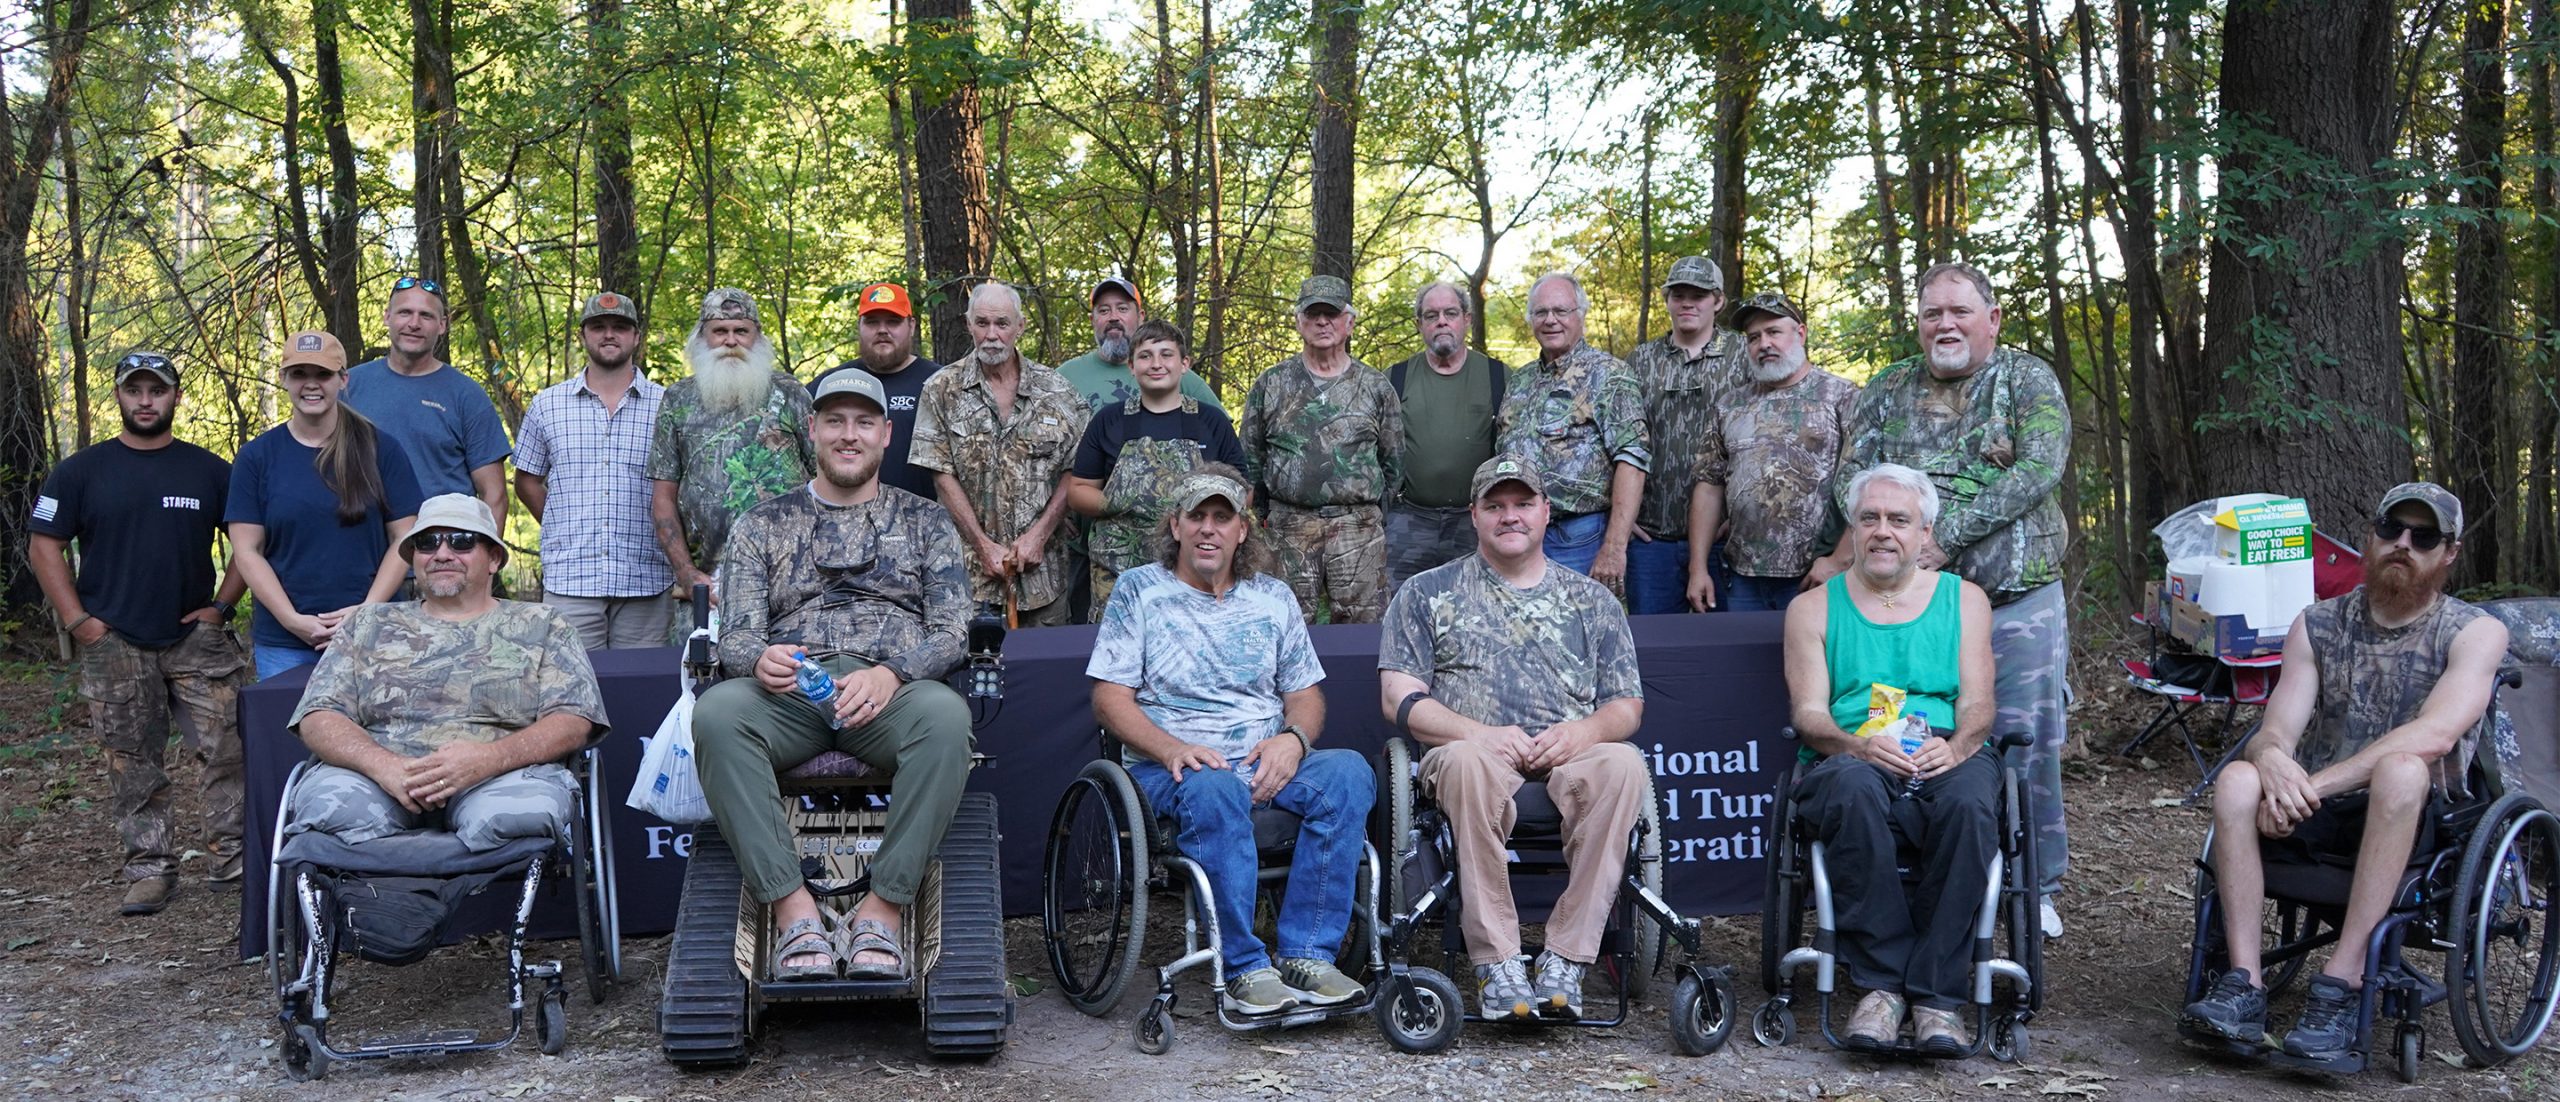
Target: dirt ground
(108, 1007)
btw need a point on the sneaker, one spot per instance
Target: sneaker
(1318, 982)
(1503, 992)
(1257, 992)
(2327, 1028)
(1559, 986)
(2052, 919)
(1940, 1033)
(226, 871)
(148, 895)
(1877, 1024)
(2234, 1010)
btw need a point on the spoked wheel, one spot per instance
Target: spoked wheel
(1424, 1019)
(1701, 1012)
(1402, 838)
(1093, 913)
(1648, 934)
(591, 871)
(2507, 942)
(2026, 885)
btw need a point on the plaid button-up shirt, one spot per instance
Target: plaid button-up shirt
(596, 536)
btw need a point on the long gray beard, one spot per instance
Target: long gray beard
(732, 382)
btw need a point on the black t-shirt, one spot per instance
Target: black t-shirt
(902, 387)
(1113, 426)
(144, 522)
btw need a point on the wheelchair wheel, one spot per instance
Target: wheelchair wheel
(1425, 1019)
(551, 1021)
(1093, 914)
(967, 1002)
(591, 868)
(304, 1060)
(2507, 945)
(703, 1016)
(2023, 895)
(1648, 935)
(1394, 809)
(1781, 899)
(1701, 1012)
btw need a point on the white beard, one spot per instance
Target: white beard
(1950, 360)
(732, 382)
(1776, 371)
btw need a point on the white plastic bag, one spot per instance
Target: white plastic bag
(669, 785)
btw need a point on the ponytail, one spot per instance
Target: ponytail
(350, 465)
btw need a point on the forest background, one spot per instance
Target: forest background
(2305, 246)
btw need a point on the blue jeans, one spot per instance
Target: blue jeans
(1574, 542)
(1745, 593)
(1332, 792)
(1657, 576)
(273, 660)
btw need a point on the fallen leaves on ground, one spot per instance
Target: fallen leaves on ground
(1264, 1079)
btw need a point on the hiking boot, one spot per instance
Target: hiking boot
(226, 871)
(148, 895)
(1877, 1024)
(1502, 989)
(1940, 1033)
(1318, 982)
(2327, 1028)
(1559, 986)
(1260, 991)
(2234, 1010)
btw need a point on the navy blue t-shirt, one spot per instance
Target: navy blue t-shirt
(443, 421)
(1113, 426)
(132, 512)
(325, 566)
(902, 388)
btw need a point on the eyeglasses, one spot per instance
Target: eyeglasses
(2422, 537)
(406, 283)
(463, 543)
(1553, 313)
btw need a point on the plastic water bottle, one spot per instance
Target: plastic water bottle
(820, 688)
(1914, 732)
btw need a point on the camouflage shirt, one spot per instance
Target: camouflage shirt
(882, 580)
(416, 683)
(1575, 417)
(1994, 442)
(1316, 442)
(1680, 393)
(723, 463)
(1772, 451)
(1009, 464)
(2373, 679)
(1534, 657)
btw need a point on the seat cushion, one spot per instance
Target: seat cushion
(1275, 831)
(832, 765)
(1538, 815)
(408, 853)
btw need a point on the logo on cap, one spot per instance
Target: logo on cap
(608, 301)
(308, 342)
(1507, 466)
(881, 294)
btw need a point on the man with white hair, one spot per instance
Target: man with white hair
(1323, 437)
(730, 436)
(1889, 622)
(1578, 413)
(1763, 460)
(1449, 393)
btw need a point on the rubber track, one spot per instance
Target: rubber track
(702, 1019)
(967, 1002)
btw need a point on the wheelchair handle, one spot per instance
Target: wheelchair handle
(701, 606)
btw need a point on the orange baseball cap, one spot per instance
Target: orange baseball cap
(886, 297)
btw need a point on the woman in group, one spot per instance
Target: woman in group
(318, 505)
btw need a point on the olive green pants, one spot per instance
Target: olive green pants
(744, 735)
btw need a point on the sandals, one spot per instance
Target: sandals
(804, 938)
(871, 935)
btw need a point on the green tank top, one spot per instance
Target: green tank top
(1918, 658)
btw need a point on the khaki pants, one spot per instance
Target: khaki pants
(129, 689)
(1601, 792)
(615, 623)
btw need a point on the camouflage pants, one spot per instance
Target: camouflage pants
(1420, 537)
(533, 802)
(2031, 645)
(129, 689)
(1339, 552)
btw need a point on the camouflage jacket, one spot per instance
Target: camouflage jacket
(1534, 657)
(1679, 401)
(882, 580)
(1316, 442)
(1009, 466)
(1575, 417)
(1772, 452)
(416, 683)
(2374, 679)
(1995, 443)
(723, 463)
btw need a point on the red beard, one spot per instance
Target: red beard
(2396, 585)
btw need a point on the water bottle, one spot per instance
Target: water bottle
(820, 688)
(1914, 732)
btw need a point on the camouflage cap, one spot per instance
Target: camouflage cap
(2437, 499)
(854, 383)
(607, 304)
(1203, 485)
(1504, 468)
(729, 304)
(1766, 302)
(460, 512)
(1322, 290)
(1695, 271)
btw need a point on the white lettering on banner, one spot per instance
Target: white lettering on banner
(665, 839)
(1693, 816)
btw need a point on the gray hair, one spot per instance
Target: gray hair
(1581, 299)
(1969, 273)
(1898, 475)
(1466, 305)
(997, 287)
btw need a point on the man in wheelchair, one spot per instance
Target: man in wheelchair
(452, 711)
(1886, 622)
(2375, 715)
(1203, 671)
(867, 580)
(1509, 666)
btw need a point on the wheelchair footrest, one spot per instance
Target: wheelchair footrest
(797, 991)
(424, 1042)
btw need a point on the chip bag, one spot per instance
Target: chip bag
(1884, 709)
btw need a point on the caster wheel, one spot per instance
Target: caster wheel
(1424, 1020)
(1775, 1025)
(1155, 1030)
(2413, 1047)
(304, 1059)
(551, 1021)
(1701, 1013)
(2009, 1040)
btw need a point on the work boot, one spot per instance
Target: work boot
(1502, 988)
(2234, 1010)
(1318, 982)
(1940, 1033)
(149, 894)
(1877, 1024)
(226, 870)
(1260, 991)
(2327, 1028)
(1559, 986)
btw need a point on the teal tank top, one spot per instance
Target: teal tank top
(1918, 658)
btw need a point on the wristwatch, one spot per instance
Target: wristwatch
(229, 609)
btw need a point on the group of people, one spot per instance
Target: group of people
(1499, 524)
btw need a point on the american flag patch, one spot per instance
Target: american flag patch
(45, 507)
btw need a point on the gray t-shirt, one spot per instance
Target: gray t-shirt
(1208, 670)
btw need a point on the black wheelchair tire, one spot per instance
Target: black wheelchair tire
(1106, 786)
(2515, 828)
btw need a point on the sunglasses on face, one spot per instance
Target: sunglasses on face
(463, 543)
(2420, 536)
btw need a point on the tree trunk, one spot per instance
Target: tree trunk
(2480, 470)
(1738, 77)
(2302, 333)
(75, 282)
(2049, 253)
(617, 226)
(909, 231)
(430, 94)
(1336, 75)
(338, 302)
(951, 182)
(1888, 222)
(2541, 559)
(1213, 347)
(1644, 220)
(27, 135)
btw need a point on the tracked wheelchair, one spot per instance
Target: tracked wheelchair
(2005, 984)
(392, 900)
(1420, 1009)
(2481, 888)
(719, 959)
(1108, 852)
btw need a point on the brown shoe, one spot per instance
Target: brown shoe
(226, 871)
(1877, 1025)
(1940, 1032)
(148, 896)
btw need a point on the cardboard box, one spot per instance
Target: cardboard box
(2155, 603)
(2264, 533)
(2221, 636)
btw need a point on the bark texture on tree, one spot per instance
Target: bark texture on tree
(2481, 471)
(957, 225)
(1337, 90)
(27, 137)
